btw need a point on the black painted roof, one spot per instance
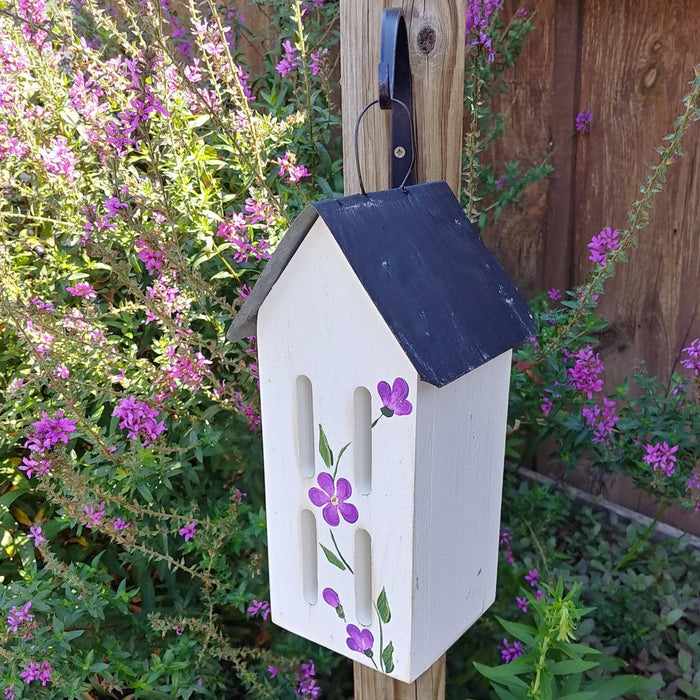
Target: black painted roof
(448, 302)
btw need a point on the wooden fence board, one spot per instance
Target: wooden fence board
(637, 60)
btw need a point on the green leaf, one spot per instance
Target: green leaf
(564, 668)
(388, 657)
(332, 558)
(324, 447)
(504, 674)
(612, 688)
(525, 633)
(383, 607)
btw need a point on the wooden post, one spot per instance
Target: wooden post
(436, 45)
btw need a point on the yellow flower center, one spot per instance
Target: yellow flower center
(334, 500)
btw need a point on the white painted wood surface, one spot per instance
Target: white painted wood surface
(432, 512)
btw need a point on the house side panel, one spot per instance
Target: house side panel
(459, 474)
(318, 323)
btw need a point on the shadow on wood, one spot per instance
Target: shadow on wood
(377, 686)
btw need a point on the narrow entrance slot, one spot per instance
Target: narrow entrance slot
(309, 557)
(305, 426)
(362, 442)
(363, 577)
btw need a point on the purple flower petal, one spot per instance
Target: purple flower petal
(343, 489)
(384, 392)
(354, 640)
(318, 498)
(367, 639)
(330, 515)
(349, 512)
(399, 391)
(325, 481)
(403, 408)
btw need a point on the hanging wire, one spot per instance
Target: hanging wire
(357, 147)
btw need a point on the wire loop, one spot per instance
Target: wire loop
(357, 147)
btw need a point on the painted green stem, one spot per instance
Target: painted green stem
(342, 558)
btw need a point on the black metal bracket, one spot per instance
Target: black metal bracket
(395, 87)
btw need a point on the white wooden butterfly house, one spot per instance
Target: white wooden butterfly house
(385, 331)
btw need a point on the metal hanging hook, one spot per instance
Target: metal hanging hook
(395, 87)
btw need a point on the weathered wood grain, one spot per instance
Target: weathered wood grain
(436, 46)
(520, 236)
(370, 685)
(637, 58)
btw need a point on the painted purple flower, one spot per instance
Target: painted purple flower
(332, 496)
(359, 640)
(394, 399)
(331, 597)
(187, 532)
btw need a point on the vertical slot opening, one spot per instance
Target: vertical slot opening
(305, 426)
(362, 442)
(309, 557)
(363, 577)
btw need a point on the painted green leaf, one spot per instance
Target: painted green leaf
(383, 607)
(333, 559)
(324, 448)
(388, 657)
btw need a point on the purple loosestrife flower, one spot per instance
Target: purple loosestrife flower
(546, 405)
(59, 159)
(602, 422)
(554, 294)
(318, 61)
(307, 687)
(485, 40)
(332, 498)
(82, 289)
(231, 228)
(18, 616)
(139, 420)
(532, 577)
(290, 59)
(692, 362)
(508, 652)
(154, 259)
(522, 603)
(606, 241)
(661, 456)
(187, 532)
(261, 607)
(113, 205)
(359, 640)
(37, 672)
(93, 514)
(36, 534)
(49, 431)
(120, 524)
(584, 374)
(479, 12)
(394, 399)
(288, 165)
(583, 121)
(10, 692)
(504, 539)
(32, 467)
(273, 671)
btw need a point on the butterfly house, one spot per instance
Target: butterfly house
(385, 331)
